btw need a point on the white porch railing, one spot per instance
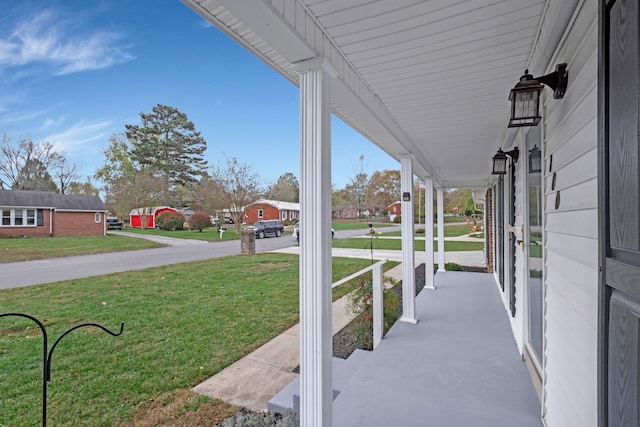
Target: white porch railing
(377, 285)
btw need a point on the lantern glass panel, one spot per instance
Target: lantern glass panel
(535, 160)
(499, 165)
(526, 104)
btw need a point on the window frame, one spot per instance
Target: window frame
(20, 214)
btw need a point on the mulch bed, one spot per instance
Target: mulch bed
(344, 342)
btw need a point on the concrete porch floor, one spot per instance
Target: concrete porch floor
(459, 366)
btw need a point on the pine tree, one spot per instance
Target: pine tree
(168, 143)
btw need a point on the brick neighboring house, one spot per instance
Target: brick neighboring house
(346, 212)
(45, 213)
(136, 215)
(395, 209)
(271, 209)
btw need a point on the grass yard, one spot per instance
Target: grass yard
(396, 244)
(31, 248)
(355, 225)
(183, 323)
(449, 231)
(210, 234)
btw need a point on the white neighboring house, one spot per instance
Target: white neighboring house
(428, 83)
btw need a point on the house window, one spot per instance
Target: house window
(31, 217)
(260, 213)
(18, 217)
(97, 216)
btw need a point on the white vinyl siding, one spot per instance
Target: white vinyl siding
(571, 248)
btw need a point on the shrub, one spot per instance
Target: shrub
(420, 231)
(452, 266)
(251, 419)
(170, 221)
(199, 221)
(361, 304)
(397, 219)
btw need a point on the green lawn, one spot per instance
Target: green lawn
(183, 323)
(209, 234)
(396, 244)
(26, 249)
(449, 231)
(355, 225)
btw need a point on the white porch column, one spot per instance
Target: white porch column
(428, 233)
(441, 230)
(408, 257)
(316, 388)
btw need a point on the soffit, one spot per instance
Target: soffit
(435, 75)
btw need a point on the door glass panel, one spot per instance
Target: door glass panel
(534, 252)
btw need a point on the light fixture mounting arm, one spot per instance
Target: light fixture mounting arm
(556, 80)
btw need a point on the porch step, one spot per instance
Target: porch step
(343, 370)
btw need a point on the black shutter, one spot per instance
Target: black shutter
(40, 217)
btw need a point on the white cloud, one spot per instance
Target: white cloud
(76, 137)
(43, 39)
(205, 23)
(49, 122)
(21, 116)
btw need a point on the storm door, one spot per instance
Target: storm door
(619, 204)
(512, 238)
(499, 240)
(534, 244)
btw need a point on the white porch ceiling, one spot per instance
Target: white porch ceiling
(430, 78)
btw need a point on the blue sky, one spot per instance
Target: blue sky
(74, 72)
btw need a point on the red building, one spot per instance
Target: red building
(271, 209)
(140, 215)
(395, 209)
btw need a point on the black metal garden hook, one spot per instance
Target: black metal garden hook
(47, 355)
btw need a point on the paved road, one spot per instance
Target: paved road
(27, 273)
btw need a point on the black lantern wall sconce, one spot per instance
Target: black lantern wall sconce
(535, 160)
(500, 160)
(525, 96)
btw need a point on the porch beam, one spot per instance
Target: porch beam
(407, 229)
(316, 388)
(428, 234)
(441, 230)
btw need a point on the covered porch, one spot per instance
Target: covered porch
(459, 366)
(428, 82)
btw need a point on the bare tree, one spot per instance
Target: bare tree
(207, 195)
(142, 192)
(239, 186)
(22, 163)
(64, 173)
(356, 190)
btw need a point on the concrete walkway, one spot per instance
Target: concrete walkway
(253, 380)
(466, 258)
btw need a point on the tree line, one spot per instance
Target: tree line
(160, 161)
